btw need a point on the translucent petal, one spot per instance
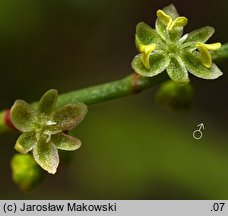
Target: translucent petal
(146, 35)
(171, 11)
(48, 101)
(69, 116)
(158, 63)
(176, 33)
(46, 155)
(200, 35)
(161, 29)
(22, 116)
(26, 142)
(177, 71)
(65, 142)
(193, 64)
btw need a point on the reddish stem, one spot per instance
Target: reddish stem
(7, 120)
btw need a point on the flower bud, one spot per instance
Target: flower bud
(174, 96)
(26, 173)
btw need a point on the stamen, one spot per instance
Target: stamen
(204, 53)
(213, 46)
(164, 17)
(178, 22)
(146, 51)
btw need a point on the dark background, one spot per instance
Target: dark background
(132, 149)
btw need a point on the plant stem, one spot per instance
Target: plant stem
(220, 54)
(3, 126)
(129, 85)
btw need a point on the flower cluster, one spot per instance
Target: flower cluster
(43, 128)
(165, 48)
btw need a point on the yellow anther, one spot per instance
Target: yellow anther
(146, 51)
(164, 17)
(204, 52)
(169, 22)
(178, 22)
(213, 46)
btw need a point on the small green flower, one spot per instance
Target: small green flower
(43, 128)
(164, 48)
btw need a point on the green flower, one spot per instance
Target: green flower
(43, 128)
(164, 48)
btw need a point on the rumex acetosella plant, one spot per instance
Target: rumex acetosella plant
(166, 48)
(43, 126)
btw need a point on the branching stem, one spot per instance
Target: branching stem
(129, 85)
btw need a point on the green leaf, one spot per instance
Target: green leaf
(69, 116)
(200, 35)
(177, 71)
(26, 142)
(146, 35)
(158, 63)
(48, 101)
(193, 64)
(65, 142)
(46, 155)
(22, 116)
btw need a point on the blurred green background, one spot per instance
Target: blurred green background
(132, 149)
